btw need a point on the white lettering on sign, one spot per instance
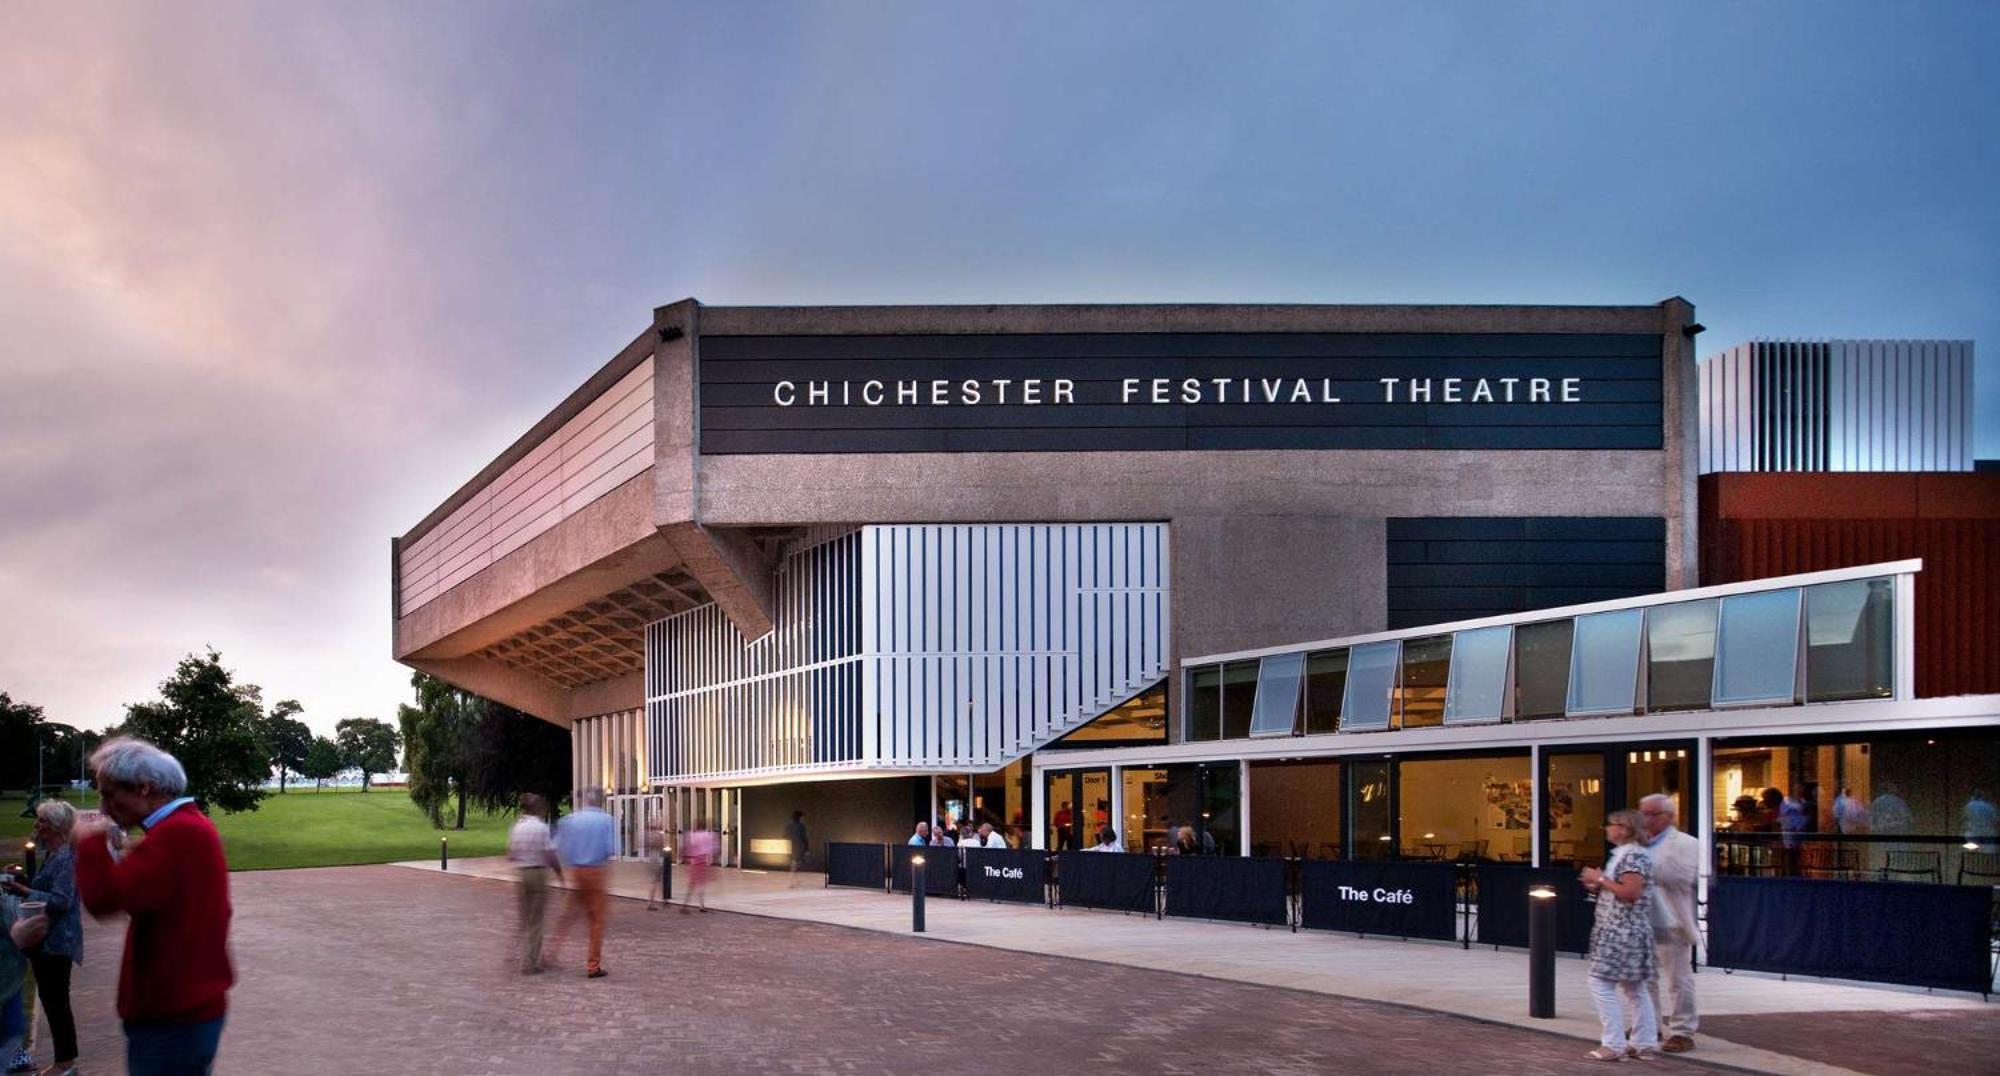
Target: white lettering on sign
(1165, 391)
(1004, 872)
(1378, 895)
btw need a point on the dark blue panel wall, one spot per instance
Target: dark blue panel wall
(1443, 569)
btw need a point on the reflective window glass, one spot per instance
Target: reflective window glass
(1851, 640)
(1757, 648)
(1541, 668)
(1205, 703)
(1604, 663)
(1326, 682)
(1680, 647)
(1478, 689)
(1239, 697)
(1426, 671)
(1371, 683)
(1277, 709)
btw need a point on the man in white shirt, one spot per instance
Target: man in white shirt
(986, 838)
(1676, 869)
(1107, 841)
(533, 857)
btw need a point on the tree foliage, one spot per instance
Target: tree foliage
(21, 724)
(323, 760)
(289, 739)
(368, 745)
(214, 727)
(510, 753)
(437, 735)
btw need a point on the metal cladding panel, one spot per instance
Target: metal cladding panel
(914, 646)
(1456, 568)
(1755, 526)
(1841, 405)
(1178, 391)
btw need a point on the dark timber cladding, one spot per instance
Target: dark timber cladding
(1458, 569)
(1168, 391)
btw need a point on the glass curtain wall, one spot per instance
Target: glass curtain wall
(1295, 809)
(1471, 808)
(1895, 807)
(1370, 810)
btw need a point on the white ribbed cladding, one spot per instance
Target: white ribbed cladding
(1840, 405)
(915, 646)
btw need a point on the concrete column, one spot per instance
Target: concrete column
(1704, 782)
(1038, 809)
(1118, 819)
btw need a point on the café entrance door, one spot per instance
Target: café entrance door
(1581, 785)
(1075, 805)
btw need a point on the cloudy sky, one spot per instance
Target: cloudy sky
(275, 278)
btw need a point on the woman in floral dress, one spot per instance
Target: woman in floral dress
(1622, 957)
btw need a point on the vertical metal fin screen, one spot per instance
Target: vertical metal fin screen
(915, 647)
(1840, 405)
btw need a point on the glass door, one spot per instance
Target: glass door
(1581, 785)
(1076, 804)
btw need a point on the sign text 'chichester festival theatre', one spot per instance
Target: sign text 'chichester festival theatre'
(1152, 392)
(1035, 391)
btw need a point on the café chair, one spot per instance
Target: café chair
(1909, 866)
(1829, 861)
(1982, 867)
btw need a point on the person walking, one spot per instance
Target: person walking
(585, 842)
(795, 834)
(1622, 954)
(700, 856)
(54, 886)
(1676, 930)
(173, 985)
(534, 859)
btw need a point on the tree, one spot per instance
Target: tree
(66, 752)
(323, 760)
(213, 727)
(436, 736)
(510, 753)
(21, 730)
(288, 737)
(368, 745)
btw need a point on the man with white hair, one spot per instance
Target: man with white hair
(1676, 868)
(174, 983)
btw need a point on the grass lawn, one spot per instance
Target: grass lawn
(308, 827)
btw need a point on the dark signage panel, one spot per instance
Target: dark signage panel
(855, 864)
(940, 869)
(1409, 900)
(1007, 874)
(1167, 391)
(1251, 890)
(1886, 932)
(1121, 880)
(1503, 905)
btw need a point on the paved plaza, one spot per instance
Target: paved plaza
(379, 969)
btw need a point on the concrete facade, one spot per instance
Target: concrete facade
(1269, 545)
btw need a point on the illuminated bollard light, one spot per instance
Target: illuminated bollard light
(1542, 952)
(444, 853)
(916, 894)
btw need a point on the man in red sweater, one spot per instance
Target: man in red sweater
(173, 986)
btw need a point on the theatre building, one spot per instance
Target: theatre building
(1325, 581)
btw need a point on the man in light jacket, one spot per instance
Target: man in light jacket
(1676, 869)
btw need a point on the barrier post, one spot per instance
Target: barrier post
(917, 894)
(444, 853)
(667, 874)
(1542, 952)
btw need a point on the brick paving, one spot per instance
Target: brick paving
(376, 969)
(1920, 1043)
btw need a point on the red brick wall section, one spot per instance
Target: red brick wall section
(1758, 525)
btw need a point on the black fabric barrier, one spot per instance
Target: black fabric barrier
(1503, 906)
(1410, 900)
(940, 869)
(1909, 933)
(1007, 874)
(1228, 887)
(862, 865)
(1121, 880)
